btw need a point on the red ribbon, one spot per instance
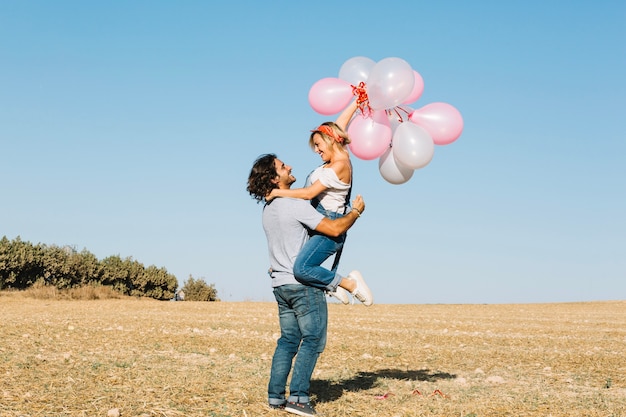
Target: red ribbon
(438, 392)
(398, 115)
(384, 396)
(362, 100)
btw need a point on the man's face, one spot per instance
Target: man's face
(284, 178)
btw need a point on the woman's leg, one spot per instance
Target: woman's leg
(308, 268)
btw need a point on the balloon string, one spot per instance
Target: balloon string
(362, 101)
(395, 109)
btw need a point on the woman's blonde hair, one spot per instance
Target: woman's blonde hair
(332, 135)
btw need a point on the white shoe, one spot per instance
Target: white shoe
(341, 295)
(362, 291)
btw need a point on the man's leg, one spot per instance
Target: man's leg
(286, 347)
(312, 314)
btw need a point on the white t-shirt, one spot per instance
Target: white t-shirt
(286, 222)
(334, 198)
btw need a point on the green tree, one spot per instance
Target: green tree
(57, 269)
(22, 264)
(19, 263)
(116, 274)
(88, 268)
(199, 290)
(155, 283)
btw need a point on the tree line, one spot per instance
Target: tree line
(22, 264)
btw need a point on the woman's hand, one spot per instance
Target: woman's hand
(271, 196)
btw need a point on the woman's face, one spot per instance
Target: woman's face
(321, 148)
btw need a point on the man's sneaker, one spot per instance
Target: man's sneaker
(277, 406)
(341, 294)
(362, 291)
(301, 409)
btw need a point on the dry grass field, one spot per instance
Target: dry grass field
(150, 358)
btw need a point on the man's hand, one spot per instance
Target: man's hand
(340, 225)
(358, 203)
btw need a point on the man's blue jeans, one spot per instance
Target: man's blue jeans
(308, 267)
(303, 317)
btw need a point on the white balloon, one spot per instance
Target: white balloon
(356, 70)
(391, 170)
(390, 82)
(412, 145)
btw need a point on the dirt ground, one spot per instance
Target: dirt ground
(140, 357)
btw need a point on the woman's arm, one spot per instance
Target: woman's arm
(344, 118)
(307, 193)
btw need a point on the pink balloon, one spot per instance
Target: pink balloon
(330, 95)
(441, 120)
(370, 136)
(391, 170)
(418, 89)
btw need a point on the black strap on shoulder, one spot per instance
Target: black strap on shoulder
(349, 189)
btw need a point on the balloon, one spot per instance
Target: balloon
(398, 115)
(391, 170)
(370, 136)
(412, 146)
(356, 70)
(390, 82)
(330, 95)
(441, 120)
(418, 89)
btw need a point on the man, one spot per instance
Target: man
(302, 309)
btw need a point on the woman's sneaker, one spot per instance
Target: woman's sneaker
(341, 295)
(301, 409)
(362, 291)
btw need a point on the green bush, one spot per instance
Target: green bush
(22, 264)
(198, 290)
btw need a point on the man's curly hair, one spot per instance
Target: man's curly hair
(262, 174)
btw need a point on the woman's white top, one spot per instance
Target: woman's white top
(334, 198)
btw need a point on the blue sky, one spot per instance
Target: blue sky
(129, 127)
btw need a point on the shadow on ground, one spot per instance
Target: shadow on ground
(326, 391)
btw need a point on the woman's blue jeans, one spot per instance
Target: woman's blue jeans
(308, 268)
(303, 317)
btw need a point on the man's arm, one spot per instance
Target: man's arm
(337, 227)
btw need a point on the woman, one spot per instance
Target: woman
(328, 187)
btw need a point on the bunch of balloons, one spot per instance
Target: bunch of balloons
(402, 138)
